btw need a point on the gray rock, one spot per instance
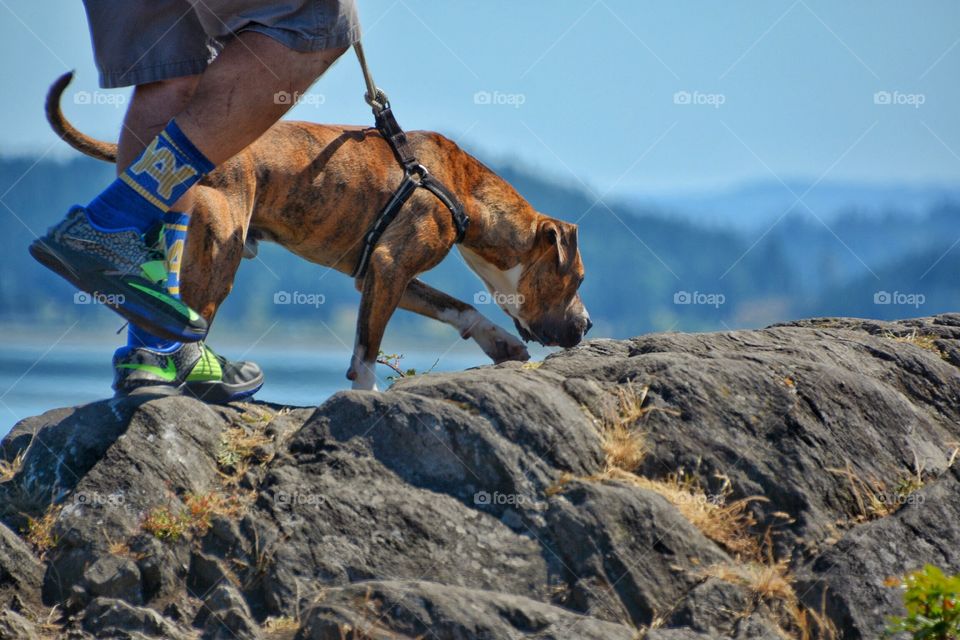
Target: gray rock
(393, 610)
(14, 626)
(113, 577)
(382, 486)
(853, 571)
(20, 571)
(225, 615)
(713, 606)
(468, 504)
(679, 634)
(773, 411)
(166, 449)
(110, 618)
(626, 553)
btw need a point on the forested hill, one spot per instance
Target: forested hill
(646, 270)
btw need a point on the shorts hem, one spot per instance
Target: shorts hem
(308, 44)
(154, 73)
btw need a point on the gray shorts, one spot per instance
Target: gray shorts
(141, 41)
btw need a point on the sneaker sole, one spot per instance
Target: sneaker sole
(219, 392)
(152, 391)
(143, 315)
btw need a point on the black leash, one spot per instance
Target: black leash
(415, 174)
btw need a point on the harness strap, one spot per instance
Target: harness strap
(460, 219)
(415, 174)
(385, 217)
(389, 128)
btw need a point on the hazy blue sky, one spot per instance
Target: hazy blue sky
(597, 81)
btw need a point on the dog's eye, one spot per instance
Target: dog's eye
(580, 281)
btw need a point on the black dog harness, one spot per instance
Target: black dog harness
(415, 174)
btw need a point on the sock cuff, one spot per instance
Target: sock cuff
(183, 144)
(176, 218)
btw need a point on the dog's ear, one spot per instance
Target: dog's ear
(563, 237)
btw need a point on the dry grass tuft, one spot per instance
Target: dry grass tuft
(239, 448)
(729, 524)
(769, 581)
(195, 517)
(281, 623)
(39, 533)
(49, 627)
(164, 525)
(120, 547)
(623, 443)
(923, 340)
(873, 498)
(8, 469)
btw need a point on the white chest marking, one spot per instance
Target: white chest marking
(502, 284)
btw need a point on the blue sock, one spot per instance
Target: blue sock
(137, 199)
(174, 240)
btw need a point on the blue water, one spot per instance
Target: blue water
(35, 378)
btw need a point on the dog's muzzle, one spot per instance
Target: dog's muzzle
(565, 334)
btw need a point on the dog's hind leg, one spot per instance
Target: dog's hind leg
(495, 341)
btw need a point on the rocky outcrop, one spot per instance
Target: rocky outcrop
(748, 484)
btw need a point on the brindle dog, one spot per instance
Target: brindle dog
(315, 189)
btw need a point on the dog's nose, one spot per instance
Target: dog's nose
(589, 325)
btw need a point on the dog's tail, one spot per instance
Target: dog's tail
(80, 141)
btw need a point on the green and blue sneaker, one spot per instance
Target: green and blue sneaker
(119, 268)
(191, 369)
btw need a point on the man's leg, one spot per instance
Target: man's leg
(236, 99)
(141, 366)
(151, 108)
(100, 248)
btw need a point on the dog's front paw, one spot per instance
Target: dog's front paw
(499, 344)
